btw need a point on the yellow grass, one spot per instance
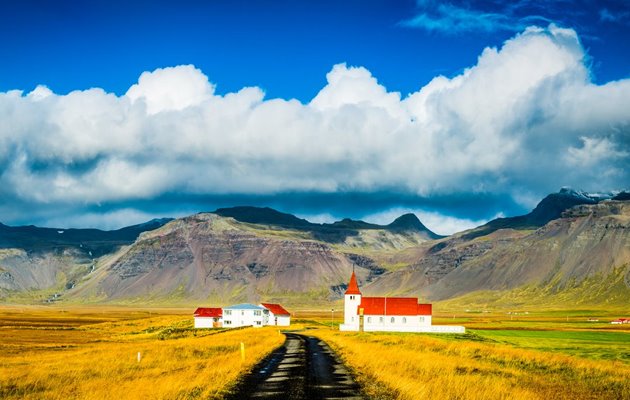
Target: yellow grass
(416, 366)
(54, 357)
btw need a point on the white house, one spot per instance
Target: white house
(208, 317)
(245, 315)
(389, 314)
(278, 316)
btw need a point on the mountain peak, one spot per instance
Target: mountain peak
(552, 206)
(407, 221)
(410, 222)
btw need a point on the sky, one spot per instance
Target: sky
(117, 112)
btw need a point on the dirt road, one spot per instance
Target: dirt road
(304, 368)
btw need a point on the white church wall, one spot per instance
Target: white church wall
(396, 323)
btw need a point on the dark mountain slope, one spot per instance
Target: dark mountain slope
(92, 242)
(263, 215)
(410, 222)
(549, 208)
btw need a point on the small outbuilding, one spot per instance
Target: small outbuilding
(207, 317)
(278, 316)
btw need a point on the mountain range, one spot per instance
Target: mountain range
(570, 243)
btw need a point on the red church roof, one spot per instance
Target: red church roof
(209, 312)
(393, 306)
(276, 309)
(353, 287)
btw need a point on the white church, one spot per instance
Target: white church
(388, 314)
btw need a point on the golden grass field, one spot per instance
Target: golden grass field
(91, 353)
(411, 366)
(539, 355)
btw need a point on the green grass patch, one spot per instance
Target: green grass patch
(599, 345)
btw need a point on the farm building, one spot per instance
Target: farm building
(245, 315)
(278, 316)
(620, 321)
(388, 314)
(240, 315)
(208, 317)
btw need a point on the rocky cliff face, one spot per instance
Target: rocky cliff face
(588, 241)
(46, 274)
(215, 258)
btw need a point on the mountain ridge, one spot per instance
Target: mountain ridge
(217, 258)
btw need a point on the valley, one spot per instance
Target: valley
(135, 353)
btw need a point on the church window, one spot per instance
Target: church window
(404, 320)
(369, 319)
(393, 320)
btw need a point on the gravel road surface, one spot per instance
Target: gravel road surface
(303, 368)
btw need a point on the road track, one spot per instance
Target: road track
(303, 368)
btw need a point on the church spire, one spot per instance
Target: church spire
(353, 287)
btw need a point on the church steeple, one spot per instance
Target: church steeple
(353, 287)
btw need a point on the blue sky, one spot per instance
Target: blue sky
(130, 110)
(284, 47)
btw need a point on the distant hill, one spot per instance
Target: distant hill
(40, 263)
(335, 232)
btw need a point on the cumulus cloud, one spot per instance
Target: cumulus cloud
(524, 120)
(173, 88)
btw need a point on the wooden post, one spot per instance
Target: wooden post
(139, 356)
(332, 315)
(242, 351)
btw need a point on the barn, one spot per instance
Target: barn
(278, 316)
(206, 317)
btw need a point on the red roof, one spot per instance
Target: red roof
(209, 312)
(353, 287)
(393, 306)
(276, 309)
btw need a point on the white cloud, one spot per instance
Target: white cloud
(173, 88)
(593, 151)
(525, 119)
